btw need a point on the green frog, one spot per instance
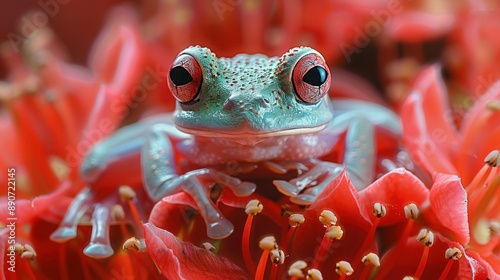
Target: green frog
(249, 111)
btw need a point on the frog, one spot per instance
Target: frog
(251, 111)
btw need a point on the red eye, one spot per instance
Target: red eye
(185, 78)
(311, 78)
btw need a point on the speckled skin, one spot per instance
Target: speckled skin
(247, 111)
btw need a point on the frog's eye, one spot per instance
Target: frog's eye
(184, 79)
(311, 78)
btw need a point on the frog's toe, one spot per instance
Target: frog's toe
(219, 229)
(67, 228)
(244, 189)
(99, 246)
(285, 187)
(303, 199)
(63, 234)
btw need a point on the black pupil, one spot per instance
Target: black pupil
(316, 76)
(180, 76)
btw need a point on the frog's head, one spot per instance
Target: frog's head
(250, 95)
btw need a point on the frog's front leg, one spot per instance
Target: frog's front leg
(161, 178)
(358, 119)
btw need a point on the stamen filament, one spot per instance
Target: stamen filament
(274, 272)
(252, 208)
(422, 263)
(135, 213)
(425, 237)
(379, 211)
(267, 244)
(365, 272)
(411, 212)
(321, 254)
(452, 254)
(370, 260)
(261, 267)
(446, 270)
(245, 245)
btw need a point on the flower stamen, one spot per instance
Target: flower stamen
(295, 220)
(411, 213)
(370, 260)
(276, 257)
(343, 269)
(128, 195)
(267, 244)
(252, 208)
(331, 233)
(426, 237)
(482, 178)
(295, 270)
(378, 211)
(138, 244)
(452, 254)
(314, 274)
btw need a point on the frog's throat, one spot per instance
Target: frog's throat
(257, 134)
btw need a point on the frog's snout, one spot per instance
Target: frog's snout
(251, 103)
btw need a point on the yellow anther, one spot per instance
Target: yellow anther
(495, 227)
(296, 269)
(493, 105)
(117, 213)
(18, 248)
(493, 158)
(132, 242)
(327, 218)
(207, 246)
(453, 253)
(28, 252)
(253, 207)
(426, 237)
(372, 259)
(296, 220)
(343, 268)
(334, 232)
(126, 193)
(277, 256)
(268, 243)
(411, 211)
(314, 274)
(379, 210)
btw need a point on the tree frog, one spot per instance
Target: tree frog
(249, 110)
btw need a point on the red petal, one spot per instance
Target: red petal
(448, 207)
(478, 267)
(428, 132)
(395, 190)
(183, 260)
(479, 121)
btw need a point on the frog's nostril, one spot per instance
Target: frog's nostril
(228, 105)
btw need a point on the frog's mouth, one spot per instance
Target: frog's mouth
(239, 134)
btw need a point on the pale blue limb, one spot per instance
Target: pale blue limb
(99, 246)
(78, 207)
(161, 179)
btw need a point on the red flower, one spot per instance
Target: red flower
(438, 146)
(392, 237)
